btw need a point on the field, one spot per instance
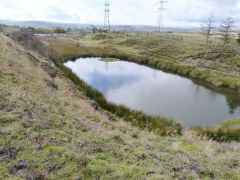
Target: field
(50, 129)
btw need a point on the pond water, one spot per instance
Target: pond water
(156, 92)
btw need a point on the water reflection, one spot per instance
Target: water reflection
(156, 92)
(105, 83)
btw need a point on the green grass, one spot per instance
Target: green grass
(225, 132)
(109, 59)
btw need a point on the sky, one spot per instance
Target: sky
(185, 13)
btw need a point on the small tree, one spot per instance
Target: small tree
(208, 27)
(226, 28)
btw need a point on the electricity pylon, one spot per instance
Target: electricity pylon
(161, 9)
(107, 14)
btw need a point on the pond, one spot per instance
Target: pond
(156, 92)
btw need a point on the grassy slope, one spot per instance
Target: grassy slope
(50, 130)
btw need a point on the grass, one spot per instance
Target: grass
(226, 131)
(109, 59)
(55, 133)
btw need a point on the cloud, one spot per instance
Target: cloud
(142, 12)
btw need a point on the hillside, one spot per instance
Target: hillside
(51, 130)
(76, 25)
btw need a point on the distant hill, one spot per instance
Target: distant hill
(85, 26)
(44, 24)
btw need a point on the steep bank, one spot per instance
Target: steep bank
(51, 130)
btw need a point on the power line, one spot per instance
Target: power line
(107, 14)
(161, 9)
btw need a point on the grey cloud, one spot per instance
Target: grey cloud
(142, 12)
